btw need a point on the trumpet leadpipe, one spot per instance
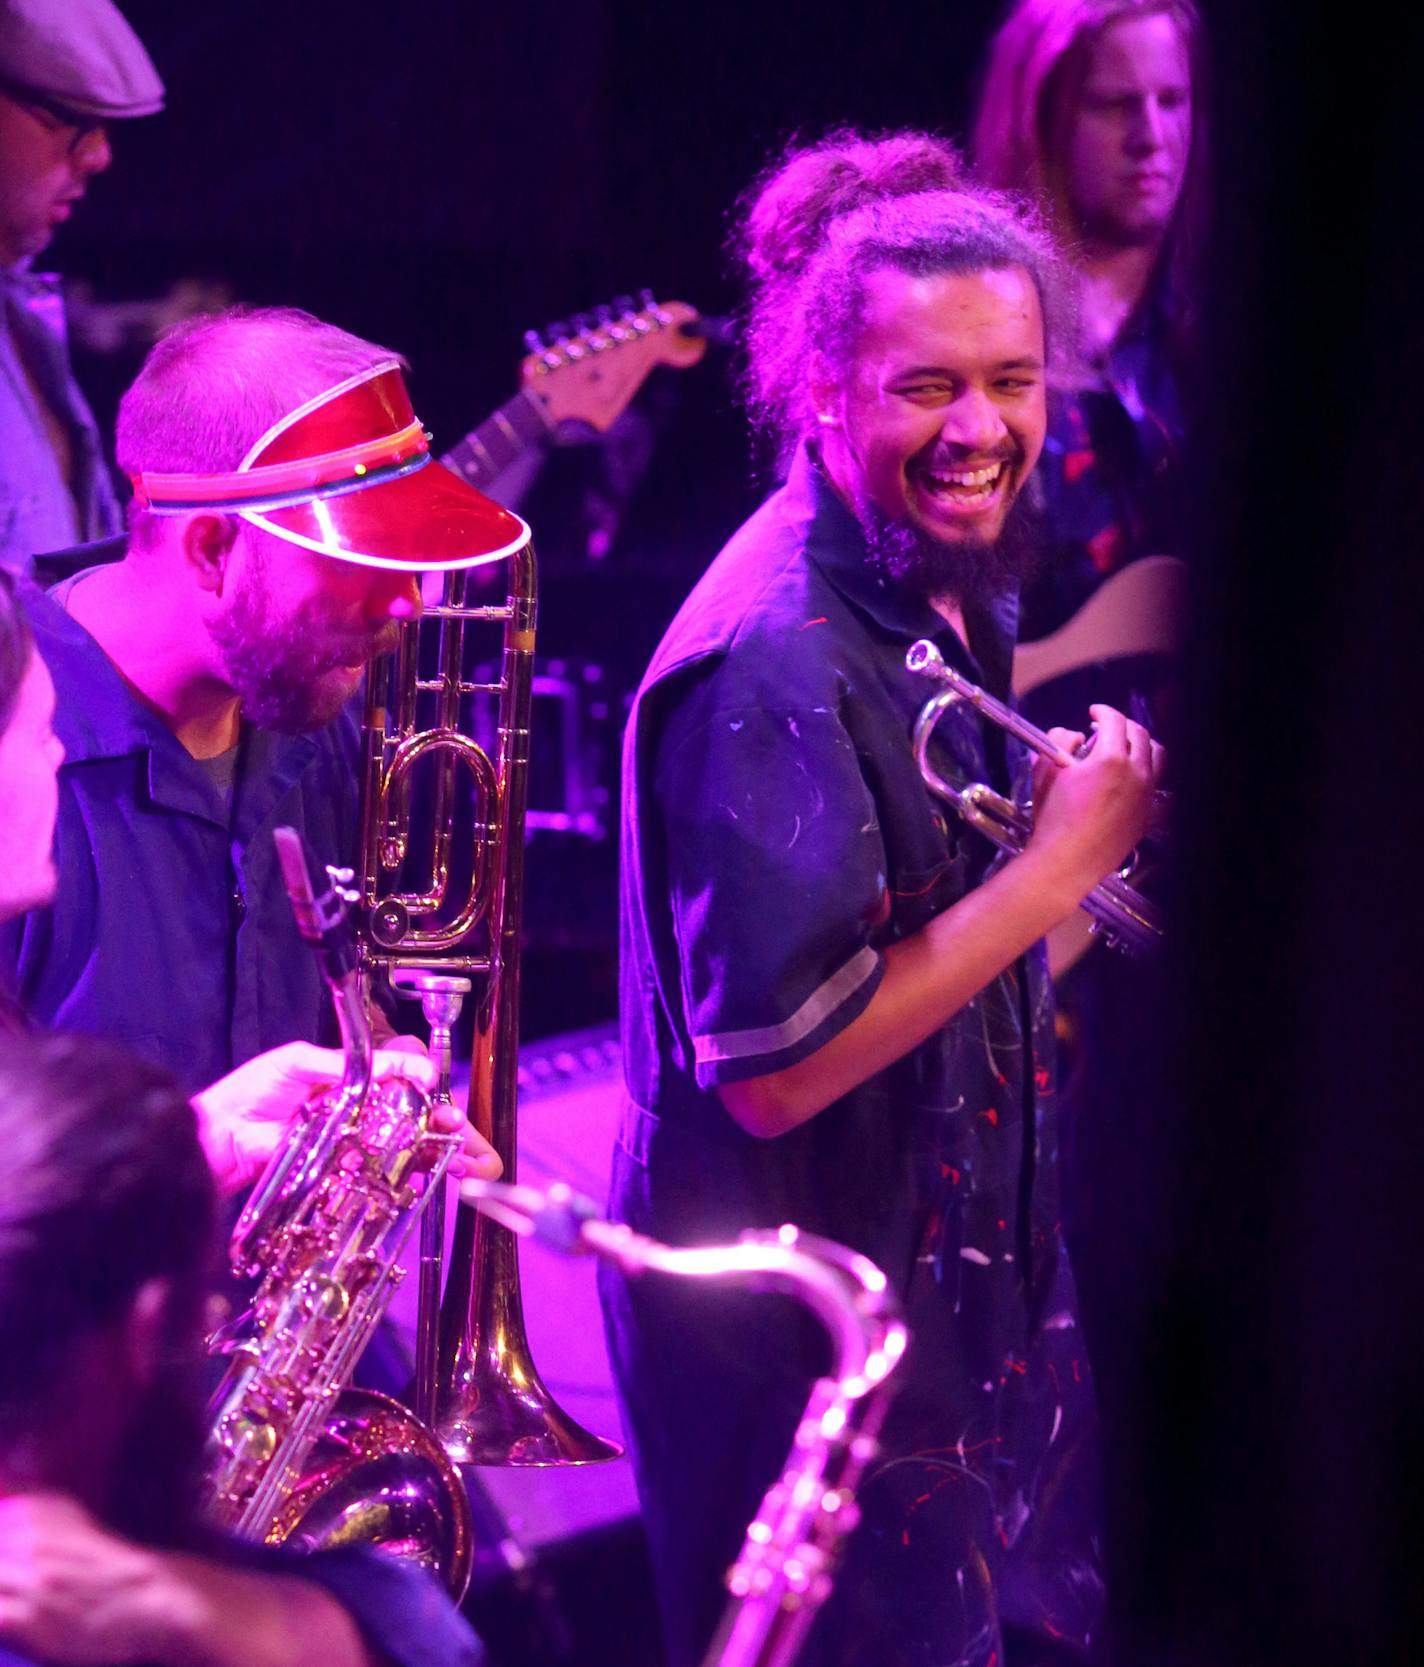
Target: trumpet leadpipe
(1126, 919)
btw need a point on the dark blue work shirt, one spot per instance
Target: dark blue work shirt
(171, 930)
(777, 837)
(42, 506)
(404, 1614)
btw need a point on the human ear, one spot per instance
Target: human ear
(147, 1330)
(825, 391)
(208, 542)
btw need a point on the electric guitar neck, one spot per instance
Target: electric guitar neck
(585, 375)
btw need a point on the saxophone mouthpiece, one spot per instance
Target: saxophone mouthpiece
(555, 1217)
(321, 920)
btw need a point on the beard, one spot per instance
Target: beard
(971, 571)
(292, 669)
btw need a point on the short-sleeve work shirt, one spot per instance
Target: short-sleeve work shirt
(171, 930)
(778, 836)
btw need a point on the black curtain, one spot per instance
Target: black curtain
(1265, 1466)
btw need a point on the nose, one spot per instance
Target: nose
(973, 423)
(395, 595)
(91, 153)
(1148, 131)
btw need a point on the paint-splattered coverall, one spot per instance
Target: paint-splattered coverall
(776, 837)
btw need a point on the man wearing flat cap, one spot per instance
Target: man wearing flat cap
(67, 70)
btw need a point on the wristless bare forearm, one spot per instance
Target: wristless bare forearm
(928, 978)
(213, 1616)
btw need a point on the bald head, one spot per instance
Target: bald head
(213, 386)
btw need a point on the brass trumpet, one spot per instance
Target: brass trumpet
(1124, 917)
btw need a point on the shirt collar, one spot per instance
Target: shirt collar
(107, 722)
(39, 293)
(835, 542)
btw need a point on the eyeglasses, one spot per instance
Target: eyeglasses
(54, 118)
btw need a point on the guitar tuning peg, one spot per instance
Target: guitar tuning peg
(603, 316)
(533, 342)
(581, 323)
(555, 333)
(624, 304)
(646, 299)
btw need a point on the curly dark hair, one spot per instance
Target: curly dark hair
(825, 215)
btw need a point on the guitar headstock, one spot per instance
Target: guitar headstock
(589, 369)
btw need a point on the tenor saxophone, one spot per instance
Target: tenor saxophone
(786, 1568)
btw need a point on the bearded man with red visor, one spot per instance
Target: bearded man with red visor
(285, 504)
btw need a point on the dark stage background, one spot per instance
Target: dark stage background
(443, 178)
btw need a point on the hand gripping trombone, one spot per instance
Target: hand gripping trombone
(1125, 918)
(787, 1564)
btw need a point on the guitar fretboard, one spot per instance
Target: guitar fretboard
(519, 424)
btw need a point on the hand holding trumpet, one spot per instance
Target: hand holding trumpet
(1093, 800)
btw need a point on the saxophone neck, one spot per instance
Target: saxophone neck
(353, 1016)
(846, 1292)
(324, 922)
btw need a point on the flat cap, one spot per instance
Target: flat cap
(81, 54)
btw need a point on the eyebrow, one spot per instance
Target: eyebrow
(1125, 89)
(1027, 362)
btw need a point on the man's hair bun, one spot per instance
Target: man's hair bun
(787, 210)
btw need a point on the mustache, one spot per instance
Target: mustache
(385, 640)
(946, 453)
(381, 642)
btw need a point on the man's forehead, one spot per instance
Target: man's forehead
(993, 310)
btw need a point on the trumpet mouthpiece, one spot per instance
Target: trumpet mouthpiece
(924, 657)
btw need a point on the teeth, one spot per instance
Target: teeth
(967, 477)
(977, 481)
